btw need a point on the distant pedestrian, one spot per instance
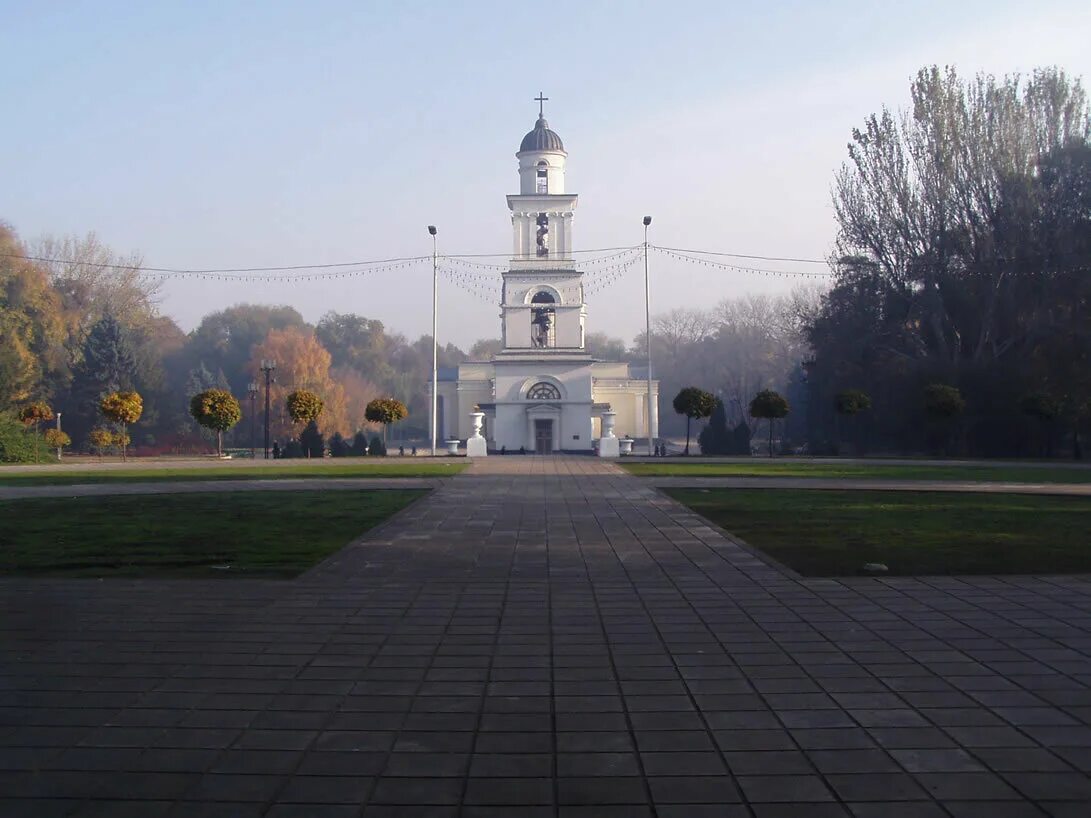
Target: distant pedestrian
(401, 451)
(276, 450)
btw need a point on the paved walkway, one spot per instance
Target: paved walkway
(563, 643)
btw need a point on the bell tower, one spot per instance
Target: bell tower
(543, 309)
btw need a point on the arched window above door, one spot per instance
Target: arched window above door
(543, 391)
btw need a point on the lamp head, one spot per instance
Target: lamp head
(647, 220)
(431, 230)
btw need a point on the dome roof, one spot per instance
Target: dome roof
(541, 138)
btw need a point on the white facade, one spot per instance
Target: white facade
(544, 392)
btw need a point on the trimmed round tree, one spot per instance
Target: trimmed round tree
(850, 403)
(385, 411)
(695, 404)
(101, 439)
(944, 403)
(56, 439)
(34, 414)
(769, 405)
(122, 408)
(216, 409)
(304, 406)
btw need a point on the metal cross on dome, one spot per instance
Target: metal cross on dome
(541, 100)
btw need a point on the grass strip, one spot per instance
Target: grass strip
(222, 534)
(45, 476)
(866, 471)
(834, 533)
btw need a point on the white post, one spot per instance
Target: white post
(435, 341)
(648, 331)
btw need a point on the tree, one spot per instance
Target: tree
(302, 364)
(964, 233)
(216, 409)
(312, 441)
(101, 439)
(771, 406)
(943, 404)
(224, 343)
(485, 348)
(1045, 409)
(359, 445)
(56, 439)
(33, 414)
(304, 406)
(32, 326)
(386, 411)
(695, 404)
(715, 438)
(122, 408)
(850, 403)
(339, 447)
(106, 366)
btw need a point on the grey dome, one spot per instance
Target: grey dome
(541, 138)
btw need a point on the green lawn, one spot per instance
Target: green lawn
(46, 476)
(833, 533)
(248, 533)
(1031, 473)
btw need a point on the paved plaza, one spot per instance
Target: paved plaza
(546, 637)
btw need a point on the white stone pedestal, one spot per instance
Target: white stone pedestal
(609, 445)
(476, 445)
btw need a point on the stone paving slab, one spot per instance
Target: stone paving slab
(564, 643)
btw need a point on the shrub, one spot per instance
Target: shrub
(377, 447)
(17, 445)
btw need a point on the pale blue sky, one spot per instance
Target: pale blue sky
(210, 134)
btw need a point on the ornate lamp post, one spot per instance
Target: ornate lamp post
(268, 367)
(252, 391)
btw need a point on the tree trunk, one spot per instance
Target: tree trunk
(686, 453)
(219, 443)
(124, 442)
(770, 437)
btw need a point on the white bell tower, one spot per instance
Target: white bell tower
(543, 309)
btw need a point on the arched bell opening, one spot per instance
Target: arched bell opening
(543, 320)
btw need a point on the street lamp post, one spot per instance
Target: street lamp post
(252, 391)
(648, 330)
(268, 367)
(435, 341)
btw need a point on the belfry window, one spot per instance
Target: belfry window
(543, 320)
(543, 391)
(542, 178)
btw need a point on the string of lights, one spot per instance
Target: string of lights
(738, 268)
(250, 273)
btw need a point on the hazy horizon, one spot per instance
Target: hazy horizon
(210, 136)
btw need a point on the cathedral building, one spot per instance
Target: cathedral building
(543, 392)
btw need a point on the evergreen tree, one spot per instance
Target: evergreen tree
(715, 437)
(312, 441)
(339, 447)
(107, 366)
(359, 445)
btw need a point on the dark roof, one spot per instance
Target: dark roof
(541, 138)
